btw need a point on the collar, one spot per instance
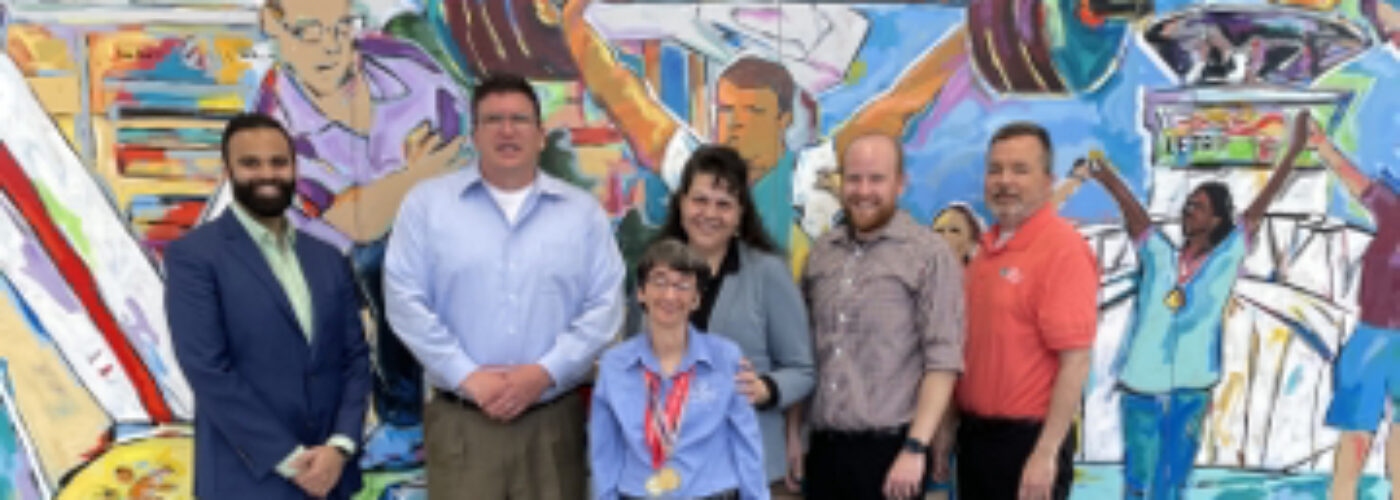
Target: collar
(260, 233)
(382, 83)
(730, 264)
(1023, 236)
(696, 351)
(901, 227)
(470, 178)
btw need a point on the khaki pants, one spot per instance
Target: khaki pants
(541, 455)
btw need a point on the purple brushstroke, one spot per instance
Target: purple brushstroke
(41, 268)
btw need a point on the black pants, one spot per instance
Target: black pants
(992, 454)
(851, 465)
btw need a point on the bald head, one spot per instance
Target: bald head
(878, 149)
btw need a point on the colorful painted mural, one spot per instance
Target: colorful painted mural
(109, 150)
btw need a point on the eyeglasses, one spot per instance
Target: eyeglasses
(312, 31)
(659, 283)
(500, 120)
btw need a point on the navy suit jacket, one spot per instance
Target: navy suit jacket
(260, 389)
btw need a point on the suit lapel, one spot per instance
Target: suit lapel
(242, 247)
(317, 275)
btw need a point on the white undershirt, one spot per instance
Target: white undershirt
(510, 201)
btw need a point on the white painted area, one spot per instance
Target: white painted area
(73, 332)
(126, 279)
(1305, 193)
(817, 43)
(1274, 421)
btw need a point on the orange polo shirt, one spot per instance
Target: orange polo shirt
(1026, 300)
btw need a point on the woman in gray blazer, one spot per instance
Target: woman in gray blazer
(752, 298)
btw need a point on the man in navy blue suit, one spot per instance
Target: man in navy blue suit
(266, 326)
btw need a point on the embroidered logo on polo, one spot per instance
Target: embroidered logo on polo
(1011, 274)
(703, 393)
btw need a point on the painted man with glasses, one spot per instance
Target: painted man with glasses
(370, 116)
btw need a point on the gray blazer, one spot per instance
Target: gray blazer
(760, 309)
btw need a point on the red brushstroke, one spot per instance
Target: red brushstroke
(594, 136)
(22, 194)
(185, 213)
(1088, 17)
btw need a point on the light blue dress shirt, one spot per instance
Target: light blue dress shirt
(1167, 349)
(719, 447)
(466, 289)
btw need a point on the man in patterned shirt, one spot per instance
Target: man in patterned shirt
(887, 311)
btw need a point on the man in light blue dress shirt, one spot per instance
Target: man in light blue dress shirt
(505, 284)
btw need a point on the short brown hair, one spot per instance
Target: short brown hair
(1026, 129)
(752, 73)
(670, 252)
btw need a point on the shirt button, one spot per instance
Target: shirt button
(831, 386)
(841, 317)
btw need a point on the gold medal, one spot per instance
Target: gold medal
(1175, 299)
(665, 480)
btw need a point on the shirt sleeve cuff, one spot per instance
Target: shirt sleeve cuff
(285, 467)
(774, 396)
(557, 368)
(456, 372)
(342, 442)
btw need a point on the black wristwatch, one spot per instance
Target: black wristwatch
(912, 445)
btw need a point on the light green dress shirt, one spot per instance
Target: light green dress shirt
(280, 253)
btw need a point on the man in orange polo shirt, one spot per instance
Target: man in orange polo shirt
(1032, 310)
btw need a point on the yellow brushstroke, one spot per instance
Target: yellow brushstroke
(996, 61)
(1280, 335)
(495, 39)
(1026, 56)
(61, 416)
(36, 49)
(1234, 386)
(222, 102)
(152, 468)
(232, 65)
(520, 40)
(466, 36)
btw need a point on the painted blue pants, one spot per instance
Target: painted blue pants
(1161, 433)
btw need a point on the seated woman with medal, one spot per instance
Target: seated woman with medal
(668, 420)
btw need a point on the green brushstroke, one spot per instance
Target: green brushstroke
(71, 224)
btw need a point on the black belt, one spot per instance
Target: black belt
(899, 431)
(974, 423)
(732, 494)
(453, 398)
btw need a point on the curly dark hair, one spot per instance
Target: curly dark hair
(730, 172)
(1222, 205)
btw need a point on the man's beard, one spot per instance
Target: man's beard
(246, 193)
(1015, 213)
(881, 217)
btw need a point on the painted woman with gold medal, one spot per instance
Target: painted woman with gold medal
(668, 422)
(1170, 357)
